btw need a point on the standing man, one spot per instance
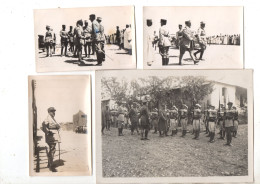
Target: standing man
(235, 122)
(51, 129)
(48, 41)
(162, 124)
(87, 30)
(179, 36)
(54, 42)
(133, 118)
(102, 38)
(149, 42)
(202, 40)
(80, 39)
(184, 119)
(164, 42)
(221, 121)
(64, 36)
(173, 116)
(212, 119)
(196, 115)
(108, 117)
(206, 120)
(118, 39)
(71, 39)
(144, 118)
(155, 118)
(121, 118)
(229, 123)
(128, 39)
(187, 43)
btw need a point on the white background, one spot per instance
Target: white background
(17, 61)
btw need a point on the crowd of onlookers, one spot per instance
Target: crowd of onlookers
(224, 39)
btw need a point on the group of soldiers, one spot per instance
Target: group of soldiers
(224, 39)
(186, 40)
(89, 37)
(167, 121)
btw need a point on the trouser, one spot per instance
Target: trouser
(120, 127)
(108, 124)
(64, 45)
(144, 131)
(183, 49)
(49, 48)
(165, 55)
(207, 126)
(134, 127)
(184, 126)
(52, 150)
(103, 127)
(222, 129)
(228, 133)
(212, 129)
(196, 127)
(87, 48)
(71, 44)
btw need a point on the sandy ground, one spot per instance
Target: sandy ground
(115, 58)
(128, 156)
(215, 56)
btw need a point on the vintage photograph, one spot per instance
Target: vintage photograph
(85, 38)
(157, 126)
(60, 125)
(193, 37)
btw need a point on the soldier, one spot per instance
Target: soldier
(144, 118)
(173, 116)
(183, 115)
(179, 36)
(202, 40)
(196, 115)
(64, 40)
(80, 39)
(54, 42)
(118, 39)
(108, 117)
(205, 120)
(162, 124)
(102, 38)
(187, 43)
(87, 30)
(96, 35)
(51, 129)
(212, 119)
(134, 118)
(149, 42)
(48, 41)
(221, 121)
(235, 122)
(103, 119)
(164, 42)
(71, 39)
(121, 119)
(155, 119)
(229, 123)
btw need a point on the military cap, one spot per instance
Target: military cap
(202, 23)
(80, 22)
(198, 105)
(92, 16)
(180, 24)
(187, 22)
(163, 21)
(117, 26)
(149, 21)
(50, 109)
(230, 103)
(71, 26)
(63, 25)
(48, 27)
(99, 18)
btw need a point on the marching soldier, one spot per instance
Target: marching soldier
(80, 39)
(48, 41)
(102, 38)
(229, 123)
(173, 115)
(235, 121)
(52, 137)
(196, 115)
(164, 42)
(183, 115)
(64, 40)
(71, 39)
(202, 40)
(133, 115)
(187, 43)
(221, 121)
(144, 118)
(179, 36)
(212, 119)
(155, 119)
(87, 30)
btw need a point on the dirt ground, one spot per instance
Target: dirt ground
(128, 156)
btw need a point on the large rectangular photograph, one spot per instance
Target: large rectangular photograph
(60, 125)
(174, 126)
(193, 37)
(85, 38)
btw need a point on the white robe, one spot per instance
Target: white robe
(127, 38)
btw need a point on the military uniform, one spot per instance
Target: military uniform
(71, 39)
(121, 120)
(79, 39)
(236, 121)
(164, 42)
(173, 116)
(64, 40)
(48, 41)
(196, 115)
(145, 124)
(87, 30)
(133, 115)
(229, 123)
(162, 123)
(202, 41)
(183, 114)
(221, 122)
(155, 119)
(212, 119)
(179, 36)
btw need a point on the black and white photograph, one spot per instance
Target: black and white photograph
(159, 126)
(60, 125)
(198, 37)
(89, 38)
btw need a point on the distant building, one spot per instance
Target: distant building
(68, 126)
(79, 119)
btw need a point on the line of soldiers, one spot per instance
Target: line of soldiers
(185, 41)
(224, 39)
(90, 37)
(165, 121)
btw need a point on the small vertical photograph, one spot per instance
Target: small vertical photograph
(159, 126)
(196, 37)
(60, 125)
(91, 38)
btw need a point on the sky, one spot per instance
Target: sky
(219, 20)
(67, 94)
(111, 17)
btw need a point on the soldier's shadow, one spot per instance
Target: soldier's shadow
(81, 63)
(123, 53)
(58, 163)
